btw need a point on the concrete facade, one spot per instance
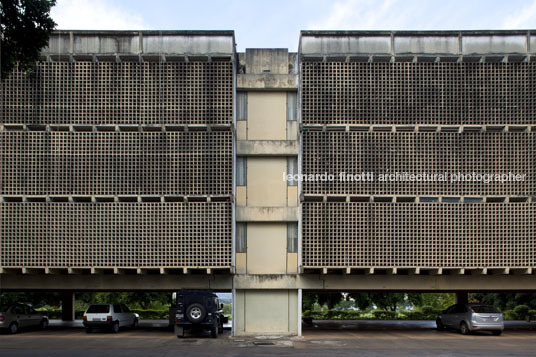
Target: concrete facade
(176, 179)
(266, 204)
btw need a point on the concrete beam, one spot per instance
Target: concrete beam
(266, 81)
(267, 147)
(140, 42)
(388, 282)
(261, 282)
(266, 214)
(339, 282)
(425, 282)
(113, 282)
(452, 43)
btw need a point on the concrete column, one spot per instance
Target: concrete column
(300, 304)
(462, 297)
(266, 312)
(67, 306)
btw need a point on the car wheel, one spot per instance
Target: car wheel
(115, 327)
(496, 333)
(179, 331)
(88, 330)
(13, 328)
(135, 323)
(43, 324)
(464, 329)
(214, 331)
(439, 325)
(196, 313)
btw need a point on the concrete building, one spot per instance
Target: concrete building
(157, 160)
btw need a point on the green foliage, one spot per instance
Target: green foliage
(419, 315)
(383, 301)
(532, 314)
(509, 315)
(333, 315)
(427, 309)
(34, 299)
(438, 301)
(521, 312)
(504, 301)
(374, 315)
(134, 300)
(329, 299)
(55, 313)
(25, 26)
(150, 314)
(384, 315)
(345, 304)
(387, 301)
(308, 300)
(227, 309)
(362, 300)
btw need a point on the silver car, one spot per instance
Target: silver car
(471, 317)
(15, 317)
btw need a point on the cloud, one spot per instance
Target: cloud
(363, 15)
(523, 19)
(94, 15)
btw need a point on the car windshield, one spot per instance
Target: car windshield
(486, 309)
(98, 309)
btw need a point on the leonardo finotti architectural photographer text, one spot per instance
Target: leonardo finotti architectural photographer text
(450, 177)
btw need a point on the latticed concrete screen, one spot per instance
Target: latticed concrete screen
(418, 93)
(120, 93)
(408, 107)
(145, 119)
(116, 234)
(116, 163)
(420, 152)
(418, 235)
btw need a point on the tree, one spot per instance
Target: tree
(25, 27)
(308, 300)
(362, 300)
(329, 299)
(388, 301)
(36, 299)
(147, 299)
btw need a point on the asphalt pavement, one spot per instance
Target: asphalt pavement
(321, 338)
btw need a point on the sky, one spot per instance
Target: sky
(277, 23)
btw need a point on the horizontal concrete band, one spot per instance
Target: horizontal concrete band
(266, 214)
(417, 42)
(421, 128)
(140, 42)
(403, 198)
(259, 282)
(112, 198)
(267, 147)
(266, 81)
(115, 282)
(421, 58)
(127, 128)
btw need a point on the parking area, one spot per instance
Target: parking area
(365, 338)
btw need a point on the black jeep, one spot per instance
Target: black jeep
(198, 310)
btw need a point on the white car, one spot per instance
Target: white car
(109, 316)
